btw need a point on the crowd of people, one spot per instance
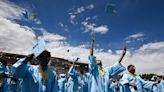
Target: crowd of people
(24, 77)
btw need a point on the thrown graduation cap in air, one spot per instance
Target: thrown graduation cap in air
(30, 16)
(68, 50)
(39, 48)
(25, 14)
(111, 8)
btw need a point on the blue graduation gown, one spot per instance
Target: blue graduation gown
(159, 87)
(3, 81)
(32, 79)
(62, 84)
(115, 87)
(140, 83)
(111, 72)
(73, 83)
(124, 88)
(84, 83)
(99, 83)
(12, 86)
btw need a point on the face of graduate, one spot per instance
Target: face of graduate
(132, 69)
(45, 60)
(99, 64)
(2, 75)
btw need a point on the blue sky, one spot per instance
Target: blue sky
(67, 24)
(133, 16)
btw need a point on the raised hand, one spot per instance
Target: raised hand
(29, 57)
(124, 51)
(123, 54)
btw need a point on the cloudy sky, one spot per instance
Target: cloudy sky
(67, 24)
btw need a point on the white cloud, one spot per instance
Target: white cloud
(51, 37)
(78, 11)
(83, 9)
(101, 29)
(87, 18)
(15, 38)
(9, 10)
(144, 61)
(38, 28)
(91, 6)
(72, 17)
(18, 39)
(135, 36)
(12, 11)
(87, 26)
(65, 27)
(148, 58)
(153, 47)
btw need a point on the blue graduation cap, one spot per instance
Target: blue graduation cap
(25, 14)
(39, 48)
(111, 8)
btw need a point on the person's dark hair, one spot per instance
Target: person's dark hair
(99, 62)
(3, 62)
(130, 66)
(42, 54)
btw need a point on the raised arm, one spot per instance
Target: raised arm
(93, 68)
(92, 44)
(20, 68)
(122, 56)
(70, 72)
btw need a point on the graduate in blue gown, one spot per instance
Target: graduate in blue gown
(11, 83)
(36, 78)
(77, 81)
(158, 87)
(99, 79)
(115, 85)
(62, 83)
(162, 85)
(3, 76)
(73, 83)
(83, 81)
(134, 83)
